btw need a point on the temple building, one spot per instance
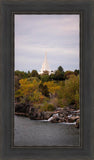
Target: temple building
(45, 66)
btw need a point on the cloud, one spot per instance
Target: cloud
(56, 34)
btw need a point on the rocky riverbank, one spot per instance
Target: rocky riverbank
(66, 114)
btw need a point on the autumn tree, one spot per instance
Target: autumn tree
(29, 91)
(52, 87)
(21, 74)
(71, 91)
(68, 74)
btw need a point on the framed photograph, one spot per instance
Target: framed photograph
(47, 80)
(47, 94)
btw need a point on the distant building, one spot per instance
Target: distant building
(45, 66)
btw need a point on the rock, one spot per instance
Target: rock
(66, 114)
(47, 115)
(34, 114)
(22, 108)
(61, 115)
(73, 118)
(56, 119)
(77, 123)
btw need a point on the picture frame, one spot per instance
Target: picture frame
(85, 9)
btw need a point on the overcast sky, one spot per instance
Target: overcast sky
(56, 34)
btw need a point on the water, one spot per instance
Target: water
(43, 133)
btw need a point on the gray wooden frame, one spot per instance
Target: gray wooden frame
(85, 9)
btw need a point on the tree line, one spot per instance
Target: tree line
(58, 75)
(58, 89)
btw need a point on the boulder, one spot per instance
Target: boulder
(56, 119)
(77, 123)
(22, 108)
(34, 114)
(47, 115)
(73, 119)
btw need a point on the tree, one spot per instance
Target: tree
(52, 76)
(44, 78)
(52, 87)
(34, 73)
(60, 69)
(21, 74)
(29, 91)
(71, 91)
(29, 74)
(44, 89)
(76, 72)
(68, 74)
(16, 82)
(59, 75)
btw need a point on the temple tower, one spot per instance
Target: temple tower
(45, 66)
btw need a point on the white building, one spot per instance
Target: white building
(45, 66)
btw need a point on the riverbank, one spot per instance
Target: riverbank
(67, 114)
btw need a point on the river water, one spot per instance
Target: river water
(43, 133)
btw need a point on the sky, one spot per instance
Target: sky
(58, 35)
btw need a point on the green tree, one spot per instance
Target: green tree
(44, 89)
(29, 74)
(34, 73)
(21, 74)
(76, 72)
(61, 69)
(52, 76)
(44, 78)
(59, 75)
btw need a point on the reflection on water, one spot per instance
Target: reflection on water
(43, 133)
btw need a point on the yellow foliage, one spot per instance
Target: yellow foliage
(52, 86)
(28, 87)
(71, 90)
(61, 93)
(29, 90)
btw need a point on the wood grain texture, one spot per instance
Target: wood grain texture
(86, 9)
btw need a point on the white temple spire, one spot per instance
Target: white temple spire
(45, 65)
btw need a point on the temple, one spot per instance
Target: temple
(45, 66)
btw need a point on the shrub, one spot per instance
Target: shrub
(50, 107)
(60, 103)
(71, 91)
(54, 101)
(47, 107)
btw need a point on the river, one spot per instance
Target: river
(43, 133)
